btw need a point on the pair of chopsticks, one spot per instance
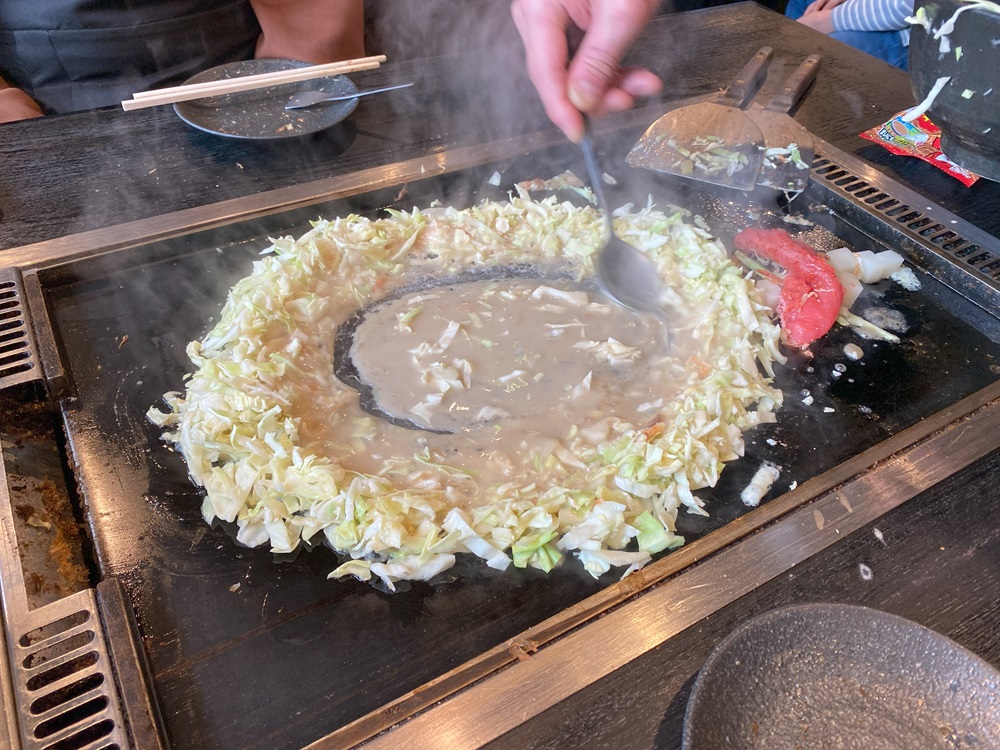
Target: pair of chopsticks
(248, 83)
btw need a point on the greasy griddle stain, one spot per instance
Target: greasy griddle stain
(49, 538)
(24, 511)
(46, 523)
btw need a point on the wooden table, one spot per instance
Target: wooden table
(935, 560)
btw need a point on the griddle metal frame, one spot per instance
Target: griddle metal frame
(951, 249)
(863, 488)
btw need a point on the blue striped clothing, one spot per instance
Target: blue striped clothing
(874, 15)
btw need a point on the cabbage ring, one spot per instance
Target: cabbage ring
(265, 367)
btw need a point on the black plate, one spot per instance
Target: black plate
(260, 114)
(841, 676)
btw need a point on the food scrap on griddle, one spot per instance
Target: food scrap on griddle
(565, 181)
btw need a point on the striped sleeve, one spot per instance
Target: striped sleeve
(872, 15)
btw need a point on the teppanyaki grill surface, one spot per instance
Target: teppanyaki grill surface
(250, 651)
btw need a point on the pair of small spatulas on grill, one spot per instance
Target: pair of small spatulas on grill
(721, 143)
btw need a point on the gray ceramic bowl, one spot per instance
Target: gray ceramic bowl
(968, 108)
(841, 676)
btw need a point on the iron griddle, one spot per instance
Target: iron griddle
(248, 650)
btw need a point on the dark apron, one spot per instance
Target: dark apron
(79, 54)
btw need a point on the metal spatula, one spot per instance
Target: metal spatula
(712, 142)
(788, 147)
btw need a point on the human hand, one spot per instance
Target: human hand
(821, 20)
(594, 81)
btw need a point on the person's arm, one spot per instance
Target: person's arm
(872, 15)
(857, 15)
(16, 105)
(315, 31)
(593, 82)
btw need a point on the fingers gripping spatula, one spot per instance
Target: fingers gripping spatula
(788, 147)
(712, 142)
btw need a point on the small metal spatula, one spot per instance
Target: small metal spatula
(788, 147)
(712, 142)
(310, 98)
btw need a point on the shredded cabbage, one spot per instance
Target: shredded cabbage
(914, 112)
(608, 494)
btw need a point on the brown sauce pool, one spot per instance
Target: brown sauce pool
(507, 370)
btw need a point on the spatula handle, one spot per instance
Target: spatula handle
(796, 85)
(748, 80)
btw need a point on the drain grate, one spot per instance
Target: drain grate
(63, 686)
(62, 677)
(62, 680)
(18, 355)
(918, 222)
(960, 254)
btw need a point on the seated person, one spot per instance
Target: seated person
(70, 55)
(878, 27)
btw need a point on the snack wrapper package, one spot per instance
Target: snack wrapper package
(920, 138)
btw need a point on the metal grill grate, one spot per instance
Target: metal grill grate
(61, 672)
(955, 252)
(18, 358)
(62, 680)
(922, 225)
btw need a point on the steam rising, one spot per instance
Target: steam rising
(488, 93)
(178, 287)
